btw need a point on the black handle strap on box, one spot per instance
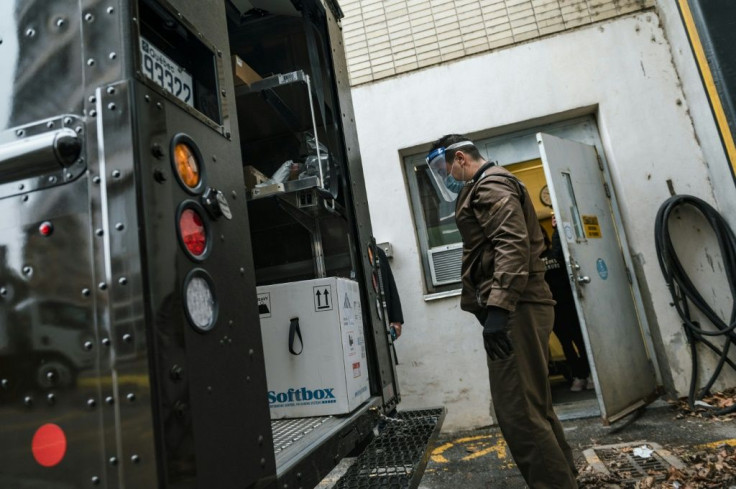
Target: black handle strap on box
(295, 331)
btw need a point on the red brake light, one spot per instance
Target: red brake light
(193, 232)
(49, 445)
(46, 228)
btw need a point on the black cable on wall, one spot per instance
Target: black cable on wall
(684, 293)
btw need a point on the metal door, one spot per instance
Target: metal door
(599, 266)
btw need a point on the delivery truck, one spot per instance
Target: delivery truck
(189, 293)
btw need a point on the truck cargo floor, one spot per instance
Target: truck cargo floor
(293, 439)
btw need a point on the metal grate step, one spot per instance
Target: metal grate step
(396, 458)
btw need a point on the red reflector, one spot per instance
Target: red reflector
(49, 445)
(193, 233)
(46, 228)
(374, 278)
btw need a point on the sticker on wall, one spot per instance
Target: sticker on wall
(602, 268)
(322, 298)
(264, 305)
(567, 229)
(592, 228)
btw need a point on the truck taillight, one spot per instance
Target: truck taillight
(200, 301)
(49, 445)
(46, 228)
(187, 162)
(193, 231)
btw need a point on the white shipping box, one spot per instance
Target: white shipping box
(330, 375)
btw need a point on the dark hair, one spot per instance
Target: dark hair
(451, 139)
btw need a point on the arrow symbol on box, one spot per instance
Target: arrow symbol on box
(326, 293)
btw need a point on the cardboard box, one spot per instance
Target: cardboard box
(330, 375)
(253, 177)
(242, 73)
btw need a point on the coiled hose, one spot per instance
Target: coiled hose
(685, 293)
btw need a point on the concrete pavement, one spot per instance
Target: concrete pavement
(480, 460)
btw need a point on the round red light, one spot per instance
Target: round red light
(46, 228)
(49, 445)
(193, 232)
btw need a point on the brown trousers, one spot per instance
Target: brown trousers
(522, 400)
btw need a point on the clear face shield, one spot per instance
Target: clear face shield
(445, 184)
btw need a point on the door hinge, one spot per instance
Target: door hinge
(607, 189)
(628, 276)
(600, 161)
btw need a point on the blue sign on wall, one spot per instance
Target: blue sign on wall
(600, 265)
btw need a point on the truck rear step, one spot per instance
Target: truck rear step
(397, 457)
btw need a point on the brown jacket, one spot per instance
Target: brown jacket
(502, 243)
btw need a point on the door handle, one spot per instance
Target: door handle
(584, 279)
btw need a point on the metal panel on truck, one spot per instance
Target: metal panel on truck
(385, 369)
(126, 358)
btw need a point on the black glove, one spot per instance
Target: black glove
(496, 337)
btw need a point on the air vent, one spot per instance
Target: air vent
(444, 263)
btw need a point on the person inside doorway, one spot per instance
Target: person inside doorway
(566, 325)
(503, 286)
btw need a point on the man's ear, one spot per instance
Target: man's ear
(462, 158)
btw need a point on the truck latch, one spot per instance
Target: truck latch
(215, 202)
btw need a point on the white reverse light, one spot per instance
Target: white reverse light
(201, 306)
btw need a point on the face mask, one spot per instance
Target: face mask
(453, 185)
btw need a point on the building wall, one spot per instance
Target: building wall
(621, 71)
(387, 37)
(700, 111)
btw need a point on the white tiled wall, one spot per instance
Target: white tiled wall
(388, 37)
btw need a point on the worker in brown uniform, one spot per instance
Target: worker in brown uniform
(503, 285)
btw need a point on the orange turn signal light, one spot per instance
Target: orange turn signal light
(187, 165)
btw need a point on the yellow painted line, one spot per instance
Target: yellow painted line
(141, 380)
(715, 444)
(709, 82)
(472, 438)
(437, 453)
(499, 447)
